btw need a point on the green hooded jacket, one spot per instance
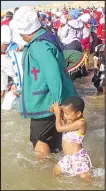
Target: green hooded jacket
(45, 80)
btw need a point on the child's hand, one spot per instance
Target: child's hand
(20, 49)
(16, 93)
(55, 108)
(13, 88)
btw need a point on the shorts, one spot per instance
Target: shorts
(44, 129)
(76, 164)
(74, 45)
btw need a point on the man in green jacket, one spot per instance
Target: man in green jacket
(45, 81)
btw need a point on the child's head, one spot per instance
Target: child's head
(73, 108)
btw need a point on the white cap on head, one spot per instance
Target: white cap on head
(84, 18)
(26, 20)
(54, 11)
(100, 9)
(58, 13)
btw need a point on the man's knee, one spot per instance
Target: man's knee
(42, 150)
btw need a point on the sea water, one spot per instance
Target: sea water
(20, 170)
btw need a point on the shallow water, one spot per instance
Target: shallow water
(20, 170)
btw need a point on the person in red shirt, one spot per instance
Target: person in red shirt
(86, 11)
(9, 16)
(101, 30)
(103, 33)
(98, 15)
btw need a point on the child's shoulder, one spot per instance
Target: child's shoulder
(82, 126)
(82, 122)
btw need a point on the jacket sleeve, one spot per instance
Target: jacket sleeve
(50, 68)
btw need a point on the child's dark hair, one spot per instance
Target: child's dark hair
(76, 103)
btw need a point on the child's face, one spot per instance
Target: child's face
(70, 115)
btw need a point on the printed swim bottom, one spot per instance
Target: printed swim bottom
(76, 164)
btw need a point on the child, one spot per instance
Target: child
(76, 160)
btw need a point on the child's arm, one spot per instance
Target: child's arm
(76, 125)
(60, 127)
(15, 91)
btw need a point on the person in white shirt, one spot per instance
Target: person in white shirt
(16, 38)
(6, 67)
(11, 42)
(72, 32)
(60, 32)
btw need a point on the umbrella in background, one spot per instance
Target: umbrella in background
(74, 59)
(3, 14)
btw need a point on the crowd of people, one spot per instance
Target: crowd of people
(33, 67)
(77, 29)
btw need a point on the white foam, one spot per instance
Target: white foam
(98, 172)
(20, 156)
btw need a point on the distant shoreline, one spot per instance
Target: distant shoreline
(60, 5)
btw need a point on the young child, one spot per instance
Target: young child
(76, 160)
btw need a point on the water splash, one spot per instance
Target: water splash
(98, 172)
(20, 156)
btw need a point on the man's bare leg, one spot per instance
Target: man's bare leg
(42, 150)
